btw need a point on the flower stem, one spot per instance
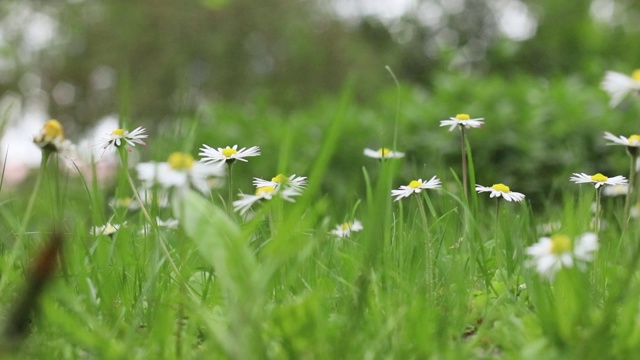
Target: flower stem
(463, 150)
(598, 211)
(230, 188)
(34, 193)
(428, 250)
(632, 176)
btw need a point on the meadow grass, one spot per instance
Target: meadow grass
(434, 275)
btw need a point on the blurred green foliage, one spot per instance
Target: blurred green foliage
(169, 57)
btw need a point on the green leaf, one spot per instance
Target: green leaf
(219, 242)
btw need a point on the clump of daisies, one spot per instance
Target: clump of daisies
(550, 254)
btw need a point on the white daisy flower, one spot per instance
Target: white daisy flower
(170, 223)
(298, 182)
(503, 190)
(179, 171)
(618, 85)
(383, 153)
(616, 190)
(264, 193)
(550, 254)
(107, 229)
(598, 179)
(344, 230)
(462, 120)
(227, 155)
(120, 137)
(414, 187)
(51, 138)
(633, 140)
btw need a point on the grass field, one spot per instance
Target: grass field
(436, 274)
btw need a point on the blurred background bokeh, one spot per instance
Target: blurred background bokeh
(246, 71)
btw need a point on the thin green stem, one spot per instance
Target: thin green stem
(230, 188)
(463, 151)
(598, 210)
(428, 250)
(34, 193)
(632, 176)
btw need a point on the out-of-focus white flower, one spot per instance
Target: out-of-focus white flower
(51, 138)
(550, 254)
(344, 230)
(179, 171)
(107, 229)
(264, 193)
(383, 153)
(618, 85)
(298, 182)
(462, 120)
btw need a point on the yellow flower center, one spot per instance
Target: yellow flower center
(180, 161)
(414, 184)
(264, 190)
(123, 202)
(634, 139)
(280, 179)
(560, 244)
(599, 178)
(384, 151)
(635, 75)
(463, 117)
(228, 152)
(52, 129)
(501, 187)
(345, 227)
(118, 132)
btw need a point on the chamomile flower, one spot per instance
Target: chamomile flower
(297, 182)
(462, 120)
(264, 193)
(51, 138)
(598, 179)
(122, 137)
(414, 187)
(503, 190)
(618, 85)
(632, 141)
(179, 171)
(383, 153)
(616, 190)
(227, 155)
(344, 230)
(550, 254)
(170, 224)
(106, 229)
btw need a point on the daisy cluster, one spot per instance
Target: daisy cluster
(181, 170)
